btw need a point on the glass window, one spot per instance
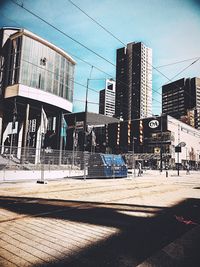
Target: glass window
(44, 68)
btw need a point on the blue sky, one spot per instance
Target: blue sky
(171, 28)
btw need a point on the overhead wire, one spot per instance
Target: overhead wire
(62, 32)
(105, 29)
(155, 68)
(185, 68)
(73, 39)
(82, 84)
(99, 24)
(76, 82)
(171, 79)
(177, 62)
(86, 46)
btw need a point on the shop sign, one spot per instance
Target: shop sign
(153, 124)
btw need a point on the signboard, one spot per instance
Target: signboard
(79, 124)
(182, 144)
(153, 124)
(178, 149)
(156, 150)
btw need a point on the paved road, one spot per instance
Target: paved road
(147, 221)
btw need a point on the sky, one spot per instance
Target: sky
(171, 28)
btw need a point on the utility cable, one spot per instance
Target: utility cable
(185, 68)
(100, 25)
(105, 29)
(62, 32)
(84, 45)
(177, 62)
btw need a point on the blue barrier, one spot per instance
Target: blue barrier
(106, 165)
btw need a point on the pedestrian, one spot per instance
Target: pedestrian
(188, 168)
(139, 169)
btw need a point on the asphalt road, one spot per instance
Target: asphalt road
(146, 221)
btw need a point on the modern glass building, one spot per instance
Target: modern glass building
(35, 77)
(35, 63)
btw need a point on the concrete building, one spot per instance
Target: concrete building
(152, 140)
(97, 126)
(134, 82)
(183, 133)
(37, 83)
(107, 99)
(181, 100)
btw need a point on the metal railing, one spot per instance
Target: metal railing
(49, 163)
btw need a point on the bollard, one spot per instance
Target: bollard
(166, 173)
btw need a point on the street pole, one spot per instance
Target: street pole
(178, 145)
(25, 132)
(61, 139)
(85, 130)
(161, 143)
(74, 140)
(133, 155)
(85, 123)
(178, 163)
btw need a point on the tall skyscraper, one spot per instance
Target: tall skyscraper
(134, 82)
(107, 99)
(181, 100)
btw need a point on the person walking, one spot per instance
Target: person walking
(139, 169)
(188, 168)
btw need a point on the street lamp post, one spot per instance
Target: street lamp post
(161, 143)
(133, 155)
(178, 150)
(85, 129)
(85, 123)
(61, 139)
(178, 163)
(161, 138)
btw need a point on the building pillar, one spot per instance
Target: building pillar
(24, 134)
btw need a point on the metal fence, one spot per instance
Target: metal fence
(26, 163)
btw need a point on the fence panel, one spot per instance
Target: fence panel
(29, 163)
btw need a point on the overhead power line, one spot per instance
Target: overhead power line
(99, 24)
(109, 32)
(176, 62)
(76, 82)
(62, 32)
(185, 69)
(54, 27)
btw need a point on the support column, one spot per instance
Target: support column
(24, 135)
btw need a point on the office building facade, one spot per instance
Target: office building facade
(181, 100)
(134, 82)
(37, 84)
(107, 99)
(146, 138)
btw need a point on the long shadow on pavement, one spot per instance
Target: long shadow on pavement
(138, 238)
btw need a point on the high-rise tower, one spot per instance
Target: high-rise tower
(107, 99)
(181, 100)
(134, 82)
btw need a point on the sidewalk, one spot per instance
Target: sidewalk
(106, 222)
(34, 175)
